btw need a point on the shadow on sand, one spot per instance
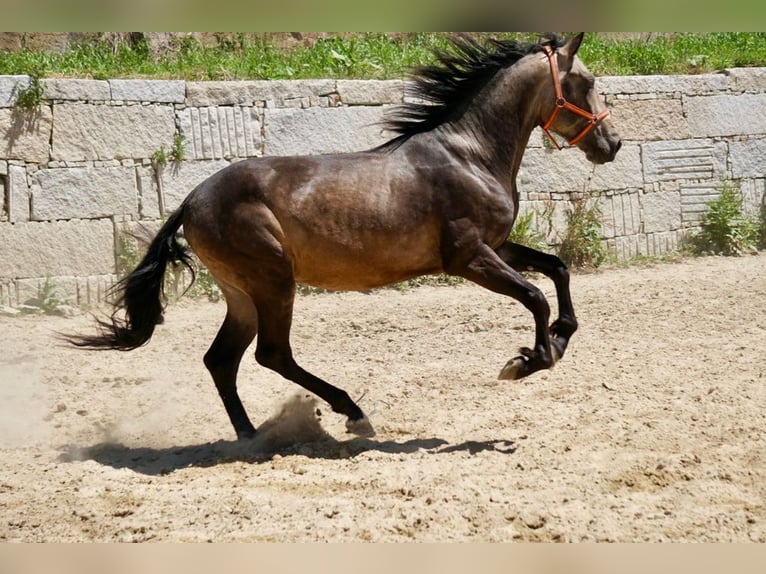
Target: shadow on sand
(295, 429)
(160, 461)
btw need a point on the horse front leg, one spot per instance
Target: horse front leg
(523, 258)
(487, 268)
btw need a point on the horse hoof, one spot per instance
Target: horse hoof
(513, 370)
(360, 427)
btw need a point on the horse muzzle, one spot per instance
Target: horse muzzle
(604, 150)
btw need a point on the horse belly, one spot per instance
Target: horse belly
(367, 264)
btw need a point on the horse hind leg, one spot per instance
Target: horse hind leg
(273, 351)
(225, 354)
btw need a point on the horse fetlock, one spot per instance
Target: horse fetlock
(563, 327)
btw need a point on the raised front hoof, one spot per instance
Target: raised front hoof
(514, 369)
(360, 427)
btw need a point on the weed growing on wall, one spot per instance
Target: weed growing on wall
(725, 229)
(523, 232)
(128, 254)
(177, 152)
(160, 158)
(581, 246)
(31, 97)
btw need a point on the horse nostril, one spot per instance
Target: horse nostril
(618, 146)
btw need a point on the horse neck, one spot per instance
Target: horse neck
(498, 122)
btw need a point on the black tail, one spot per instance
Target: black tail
(140, 294)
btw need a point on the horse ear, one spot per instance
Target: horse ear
(568, 51)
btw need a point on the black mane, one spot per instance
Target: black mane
(443, 88)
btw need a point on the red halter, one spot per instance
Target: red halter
(562, 103)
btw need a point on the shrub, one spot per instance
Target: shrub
(725, 229)
(523, 232)
(581, 245)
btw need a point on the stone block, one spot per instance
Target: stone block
(34, 249)
(83, 192)
(661, 211)
(621, 214)
(8, 87)
(74, 89)
(748, 79)
(753, 196)
(748, 158)
(622, 173)
(684, 160)
(694, 200)
(545, 170)
(221, 132)
(25, 134)
(101, 132)
(178, 181)
(148, 192)
(64, 289)
(370, 92)
(726, 115)
(645, 120)
(248, 93)
(161, 91)
(94, 289)
(7, 296)
(18, 194)
(323, 130)
(663, 242)
(11, 41)
(658, 84)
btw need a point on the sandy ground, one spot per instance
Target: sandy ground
(652, 428)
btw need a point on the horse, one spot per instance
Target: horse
(439, 197)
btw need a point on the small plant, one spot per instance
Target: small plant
(523, 232)
(47, 301)
(31, 97)
(160, 157)
(128, 255)
(725, 229)
(581, 245)
(178, 153)
(205, 286)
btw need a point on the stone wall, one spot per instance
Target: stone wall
(78, 170)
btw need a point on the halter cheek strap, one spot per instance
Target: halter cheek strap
(562, 103)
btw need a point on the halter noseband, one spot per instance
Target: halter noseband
(562, 103)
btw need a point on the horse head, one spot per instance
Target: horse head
(572, 107)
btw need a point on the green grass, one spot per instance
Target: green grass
(678, 54)
(373, 56)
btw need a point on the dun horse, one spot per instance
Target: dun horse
(440, 197)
